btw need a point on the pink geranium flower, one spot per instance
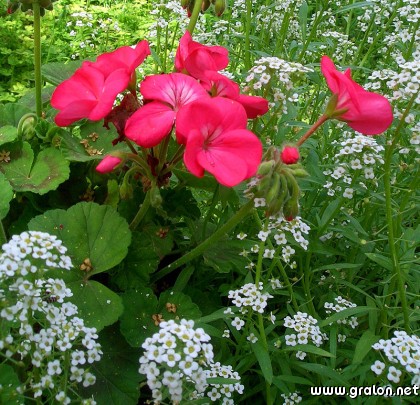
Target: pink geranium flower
(194, 58)
(91, 91)
(217, 140)
(366, 112)
(170, 94)
(221, 86)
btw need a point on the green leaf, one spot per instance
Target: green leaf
(140, 305)
(6, 195)
(98, 305)
(224, 256)
(219, 314)
(185, 308)
(382, 260)
(117, 376)
(44, 174)
(57, 72)
(291, 379)
(364, 346)
(206, 182)
(136, 323)
(308, 349)
(11, 113)
(89, 231)
(8, 133)
(263, 360)
(101, 141)
(344, 314)
(324, 372)
(9, 382)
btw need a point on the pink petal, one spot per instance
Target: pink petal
(254, 105)
(150, 124)
(123, 57)
(329, 71)
(114, 84)
(108, 164)
(85, 84)
(219, 85)
(375, 114)
(231, 157)
(182, 51)
(175, 89)
(74, 112)
(211, 115)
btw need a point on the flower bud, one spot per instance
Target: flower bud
(291, 209)
(219, 7)
(108, 164)
(205, 5)
(155, 197)
(289, 155)
(185, 3)
(265, 168)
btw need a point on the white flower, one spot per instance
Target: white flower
(238, 323)
(394, 374)
(378, 367)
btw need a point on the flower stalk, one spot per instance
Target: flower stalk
(202, 247)
(37, 56)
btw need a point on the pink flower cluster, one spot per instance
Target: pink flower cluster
(205, 108)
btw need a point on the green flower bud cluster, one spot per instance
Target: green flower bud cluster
(219, 6)
(277, 184)
(26, 5)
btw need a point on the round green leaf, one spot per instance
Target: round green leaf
(136, 323)
(98, 305)
(117, 376)
(8, 133)
(9, 382)
(94, 234)
(6, 195)
(141, 305)
(48, 171)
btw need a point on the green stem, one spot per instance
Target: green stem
(247, 34)
(389, 216)
(312, 129)
(37, 56)
(194, 16)
(202, 247)
(141, 212)
(3, 237)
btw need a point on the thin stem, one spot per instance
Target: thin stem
(312, 129)
(389, 216)
(202, 247)
(141, 212)
(247, 34)
(37, 56)
(3, 237)
(194, 16)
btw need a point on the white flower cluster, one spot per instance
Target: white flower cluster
(291, 399)
(85, 31)
(222, 392)
(356, 154)
(250, 296)
(306, 329)
(340, 305)
(401, 350)
(42, 328)
(180, 357)
(281, 75)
